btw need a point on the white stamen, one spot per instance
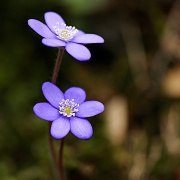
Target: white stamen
(65, 33)
(68, 108)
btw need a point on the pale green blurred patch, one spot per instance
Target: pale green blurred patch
(85, 7)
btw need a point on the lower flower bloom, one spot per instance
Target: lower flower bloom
(67, 111)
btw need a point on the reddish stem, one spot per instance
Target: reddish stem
(51, 145)
(57, 65)
(61, 171)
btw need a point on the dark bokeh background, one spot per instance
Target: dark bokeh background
(135, 73)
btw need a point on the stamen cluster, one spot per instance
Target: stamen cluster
(68, 108)
(65, 34)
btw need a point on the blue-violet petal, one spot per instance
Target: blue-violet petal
(60, 127)
(81, 128)
(41, 28)
(79, 33)
(52, 93)
(78, 51)
(46, 111)
(53, 42)
(90, 108)
(88, 38)
(52, 19)
(78, 94)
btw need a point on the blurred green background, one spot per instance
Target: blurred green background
(135, 73)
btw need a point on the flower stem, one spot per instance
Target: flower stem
(61, 171)
(54, 79)
(51, 146)
(57, 65)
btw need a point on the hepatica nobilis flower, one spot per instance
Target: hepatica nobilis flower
(67, 111)
(58, 34)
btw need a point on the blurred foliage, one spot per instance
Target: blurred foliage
(135, 73)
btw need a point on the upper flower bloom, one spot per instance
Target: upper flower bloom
(67, 111)
(57, 34)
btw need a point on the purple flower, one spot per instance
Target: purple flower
(57, 34)
(67, 111)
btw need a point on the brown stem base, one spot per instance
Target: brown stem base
(61, 171)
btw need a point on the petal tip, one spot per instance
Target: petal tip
(31, 22)
(85, 58)
(45, 84)
(102, 40)
(86, 137)
(101, 105)
(50, 12)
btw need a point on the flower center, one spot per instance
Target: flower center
(68, 108)
(66, 33)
